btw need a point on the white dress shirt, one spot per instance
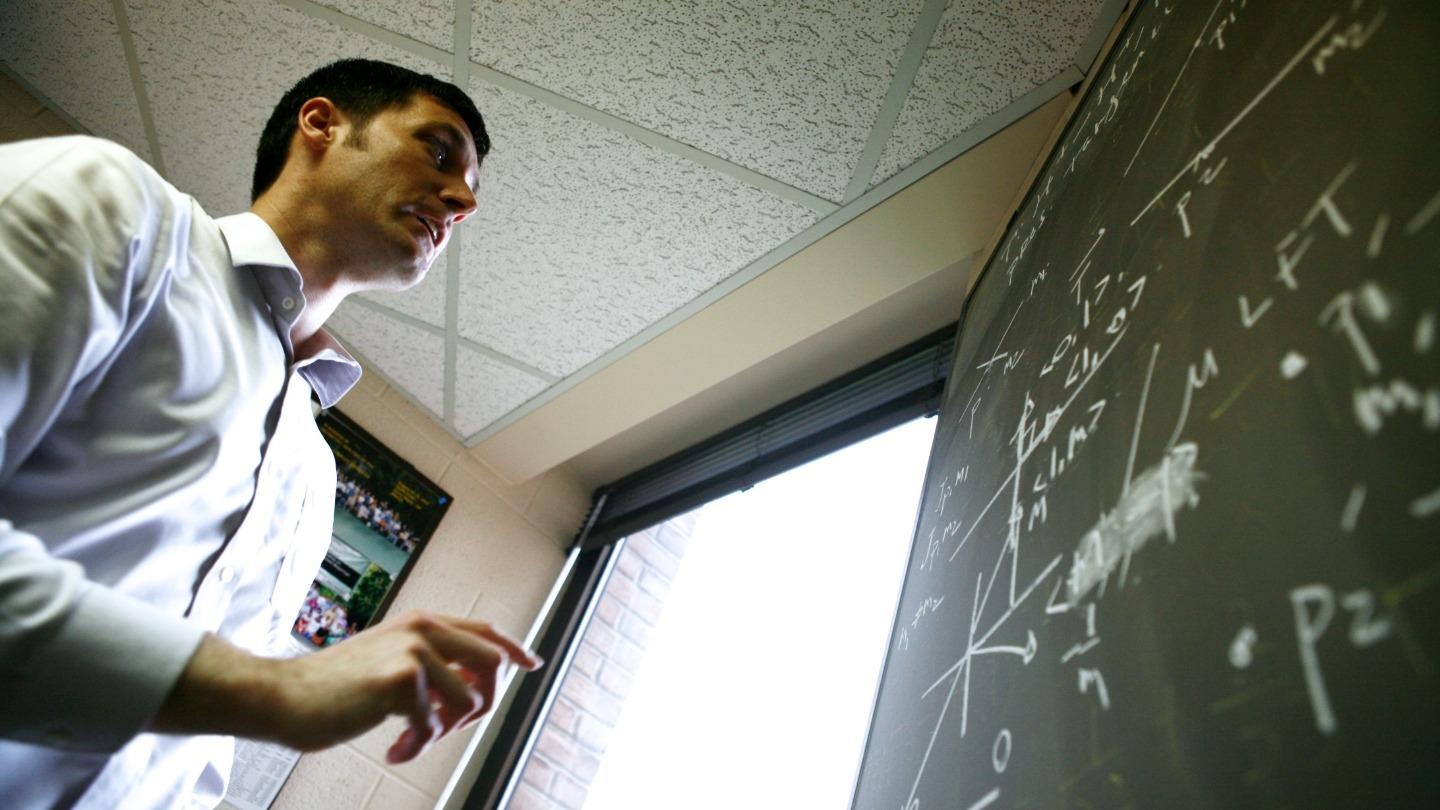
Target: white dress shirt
(161, 474)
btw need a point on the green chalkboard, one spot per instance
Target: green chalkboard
(1179, 543)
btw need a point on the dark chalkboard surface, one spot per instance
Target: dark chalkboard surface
(1180, 538)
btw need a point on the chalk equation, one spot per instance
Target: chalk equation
(1186, 299)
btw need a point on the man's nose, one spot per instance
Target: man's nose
(459, 199)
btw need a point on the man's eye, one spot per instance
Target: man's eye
(439, 152)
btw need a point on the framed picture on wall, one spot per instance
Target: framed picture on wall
(385, 513)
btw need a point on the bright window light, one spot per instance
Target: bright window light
(757, 684)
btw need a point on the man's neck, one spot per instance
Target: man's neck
(322, 285)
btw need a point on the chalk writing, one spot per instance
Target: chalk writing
(1426, 505)
(1175, 83)
(1353, 504)
(1217, 35)
(1242, 649)
(1000, 751)
(1314, 608)
(1249, 317)
(1092, 677)
(1292, 364)
(1204, 152)
(1308, 246)
(1352, 37)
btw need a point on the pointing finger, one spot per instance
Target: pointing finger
(513, 649)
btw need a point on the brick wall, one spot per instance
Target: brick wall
(572, 740)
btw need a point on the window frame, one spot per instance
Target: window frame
(902, 385)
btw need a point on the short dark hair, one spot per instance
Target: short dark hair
(361, 88)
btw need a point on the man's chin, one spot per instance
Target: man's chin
(410, 273)
(413, 275)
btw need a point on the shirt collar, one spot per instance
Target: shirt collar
(328, 367)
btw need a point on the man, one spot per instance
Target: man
(165, 496)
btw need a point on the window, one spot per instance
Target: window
(732, 656)
(543, 751)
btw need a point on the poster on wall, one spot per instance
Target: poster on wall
(385, 513)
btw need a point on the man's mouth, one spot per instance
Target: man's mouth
(430, 229)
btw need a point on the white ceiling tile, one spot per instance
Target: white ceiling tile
(486, 390)
(215, 69)
(428, 21)
(788, 89)
(410, 358)
(585, 238)
(72, 53)
(425, 300)
(983, 56)
(1067, 25)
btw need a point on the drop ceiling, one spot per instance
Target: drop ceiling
(649, 157)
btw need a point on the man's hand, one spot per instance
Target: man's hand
(441, 672)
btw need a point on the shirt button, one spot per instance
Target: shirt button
(287, 303)
(226, 573)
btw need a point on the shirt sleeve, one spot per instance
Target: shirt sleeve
(81, 666)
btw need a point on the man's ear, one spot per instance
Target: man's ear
(320, 124)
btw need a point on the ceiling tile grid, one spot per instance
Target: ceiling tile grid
(586, 237)
(488, 390)
(1063, 27)
(790, 90)
(72, 53)
(215, 68)
(599, 223)
(411, 358)
(429, 21)
(983, 56)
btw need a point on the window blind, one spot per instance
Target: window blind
(906, 383)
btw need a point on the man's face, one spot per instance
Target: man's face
(398, 187)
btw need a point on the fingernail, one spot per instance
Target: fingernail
(404, 747)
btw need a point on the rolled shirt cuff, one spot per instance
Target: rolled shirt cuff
(102, 675)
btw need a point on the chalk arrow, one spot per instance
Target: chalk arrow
(1026, 653)
(1051, 606)
(1249, 318)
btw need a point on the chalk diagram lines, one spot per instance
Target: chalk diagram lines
(971, 404)
(1206, 150)
(1012, 479)
(1199, 40)
(977, 642)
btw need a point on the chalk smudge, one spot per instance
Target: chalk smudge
(1146, 511)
